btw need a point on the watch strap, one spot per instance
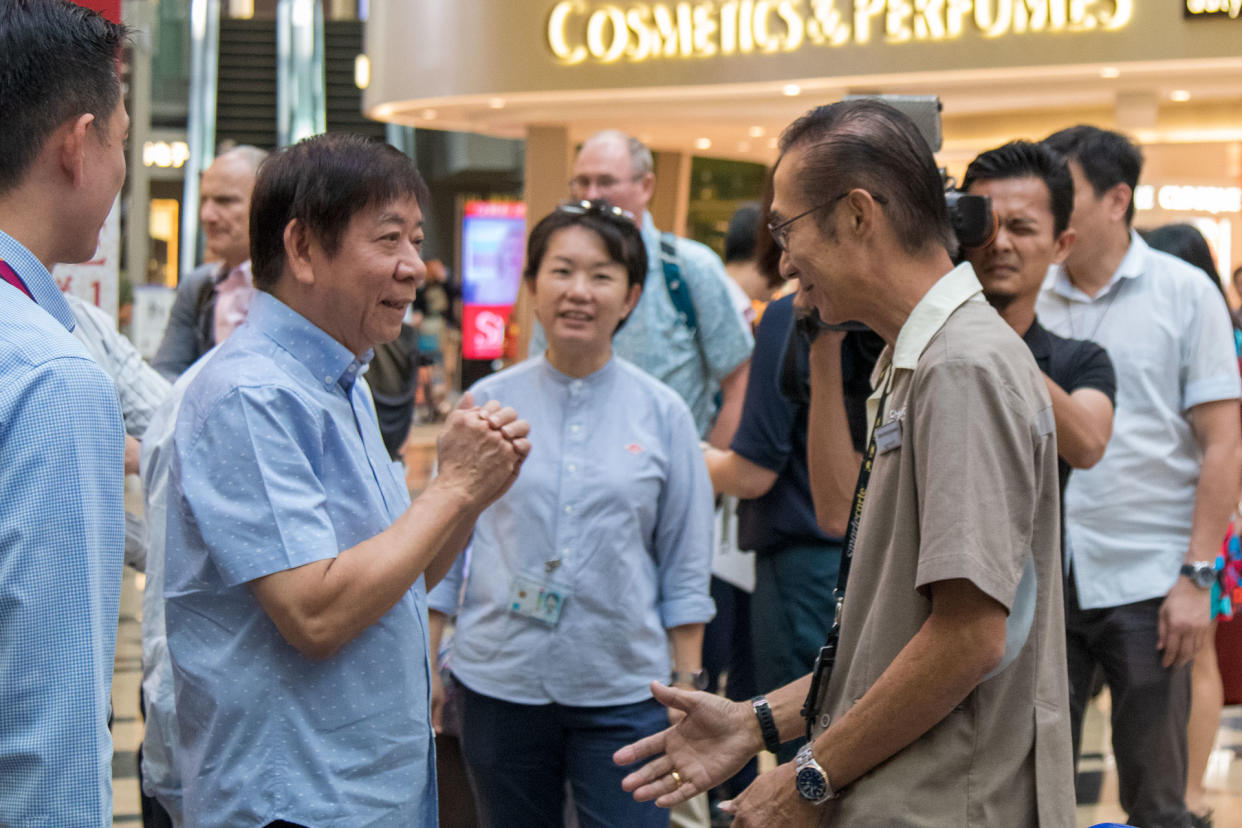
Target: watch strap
(767, 723)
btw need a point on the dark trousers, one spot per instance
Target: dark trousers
(790, 613)
(1150, 705)
(521, 755)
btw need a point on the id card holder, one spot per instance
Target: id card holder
(537, 600)
(888, 437)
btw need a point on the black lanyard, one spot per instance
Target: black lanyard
(828, 653)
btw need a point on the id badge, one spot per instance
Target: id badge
(533, 599)
(888, 437)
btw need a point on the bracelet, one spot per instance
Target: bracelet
(767, 724)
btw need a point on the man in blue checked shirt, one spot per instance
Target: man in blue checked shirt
(62, 161)
(296, 566)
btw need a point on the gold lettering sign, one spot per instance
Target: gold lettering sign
(579, 31)
(1214, 8)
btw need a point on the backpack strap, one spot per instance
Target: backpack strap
(678, 291)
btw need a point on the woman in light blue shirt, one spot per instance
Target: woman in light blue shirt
(588, 579)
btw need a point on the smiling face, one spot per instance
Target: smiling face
(581, 296)
(1013, 266)
(361, 291)
(812, 255)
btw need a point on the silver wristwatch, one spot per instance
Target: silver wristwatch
(1200, 573)
(809, 777)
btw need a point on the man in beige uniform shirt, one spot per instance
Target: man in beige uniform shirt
(948, 701)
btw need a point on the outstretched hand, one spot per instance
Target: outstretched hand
(712, 742)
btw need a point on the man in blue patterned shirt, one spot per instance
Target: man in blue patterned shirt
(62, 161)
(296, 566)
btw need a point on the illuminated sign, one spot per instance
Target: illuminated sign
(493, 244)
(1213, 8)
(608, 33)
(1185, 199)
(165, 154)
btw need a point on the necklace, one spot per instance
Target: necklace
(1108, 305)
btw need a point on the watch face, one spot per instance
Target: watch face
(1204, 577)
(811, 784)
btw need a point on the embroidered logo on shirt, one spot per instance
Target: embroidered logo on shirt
(634, 448)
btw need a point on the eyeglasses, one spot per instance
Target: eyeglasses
(598, 207)
(780, 232)
(603, 183)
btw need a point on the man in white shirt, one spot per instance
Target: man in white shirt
(1143, 527)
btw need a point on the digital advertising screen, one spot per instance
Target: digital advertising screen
(493, 243)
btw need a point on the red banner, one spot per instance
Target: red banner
(110, 9)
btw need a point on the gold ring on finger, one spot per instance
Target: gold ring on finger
(676, 777)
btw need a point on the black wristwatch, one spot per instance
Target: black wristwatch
(697, 679)
(1201, 573)
(767, 723)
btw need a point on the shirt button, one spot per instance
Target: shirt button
(572, 468)
(565, 553)
(574, 428)
(569, 510)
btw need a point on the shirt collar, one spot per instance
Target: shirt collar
(1058, 280)
(328, 361)
(1037, 339)
(38, 281)
(953, 289)
(593, 378)
(223, 272)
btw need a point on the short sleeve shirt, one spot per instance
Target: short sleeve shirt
(1072, 364)
(970, 493)
(278, 462)
(1167, 330)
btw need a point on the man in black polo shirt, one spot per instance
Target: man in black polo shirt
(1033, 195)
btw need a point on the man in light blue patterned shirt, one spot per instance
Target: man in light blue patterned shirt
(62, 161)
(296, 566)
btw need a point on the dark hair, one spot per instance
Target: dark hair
(621, 237)
(1186, 243)
(870, 145)
(1026, 159)
(323, 182)
(58, 61)
(739, 243)
(1107, 158)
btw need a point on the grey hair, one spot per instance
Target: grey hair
(640, 156)
(250, 154)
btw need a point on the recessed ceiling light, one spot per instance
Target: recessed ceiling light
(772, 143)
(1110, 72)
(428, 114)
(791, 90)
(496, 103)
(743, 146)
(1179, 95)
(362, 71)
(756, 132)
(703, 143)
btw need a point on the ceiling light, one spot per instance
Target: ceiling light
(1180, 95)
(703, 143)
(772, 143)
(362, 71)
(743, 146)
(428, 114)
(496, 103)
(1110, 72)
(791, 90)
(756, 132)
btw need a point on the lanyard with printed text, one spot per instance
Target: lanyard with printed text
(828, 653)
